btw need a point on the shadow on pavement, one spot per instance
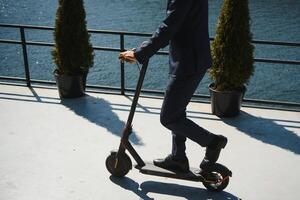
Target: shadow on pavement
(130, 185)
(99, 112)
(267, 131)
(187, 192)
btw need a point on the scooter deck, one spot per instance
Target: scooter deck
(151, 169)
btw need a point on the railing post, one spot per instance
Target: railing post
(122, 65)
(25, 58)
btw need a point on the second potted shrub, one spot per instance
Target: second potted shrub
(73, 52)
(232, 55)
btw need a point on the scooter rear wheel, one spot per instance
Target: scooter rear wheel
(119, 165)
(217, 178)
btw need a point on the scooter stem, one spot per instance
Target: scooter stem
(125, 144)
(137, 93)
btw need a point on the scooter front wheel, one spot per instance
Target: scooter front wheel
(216, 178)
(118, 165)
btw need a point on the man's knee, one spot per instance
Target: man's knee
(168, 120)
(165, 120)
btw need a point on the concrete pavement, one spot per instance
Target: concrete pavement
(56, 150)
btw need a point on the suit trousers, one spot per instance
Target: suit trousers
(178, 94)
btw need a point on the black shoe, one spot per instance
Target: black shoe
(171, 163)
(213, 151)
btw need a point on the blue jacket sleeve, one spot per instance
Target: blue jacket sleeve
(176, 14)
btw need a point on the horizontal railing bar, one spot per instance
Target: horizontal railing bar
(88, 86)
(119, 33)
(52, 44)
(282, 103)
(106, 90)
(12, 78)
(48, 44)
(262, 60)
(208, 96)
(26, 26)
(159, 92)
(89, 30)
(11, 41)
(162, 53)
(280, 43)
(106, 49)
(104, 87)
(277, 61)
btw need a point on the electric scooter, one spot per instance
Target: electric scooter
(118, 163)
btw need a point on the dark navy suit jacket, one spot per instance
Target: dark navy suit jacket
(185, 29)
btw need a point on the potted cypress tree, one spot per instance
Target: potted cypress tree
(232, 58)
(73, 53)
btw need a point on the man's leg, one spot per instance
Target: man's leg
(173, 113)
(178, 145)
(173, 116)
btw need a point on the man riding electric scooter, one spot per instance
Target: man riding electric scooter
(185, 30)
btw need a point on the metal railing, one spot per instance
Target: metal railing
(121, 48)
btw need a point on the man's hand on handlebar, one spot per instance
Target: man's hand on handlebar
(127, 56)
